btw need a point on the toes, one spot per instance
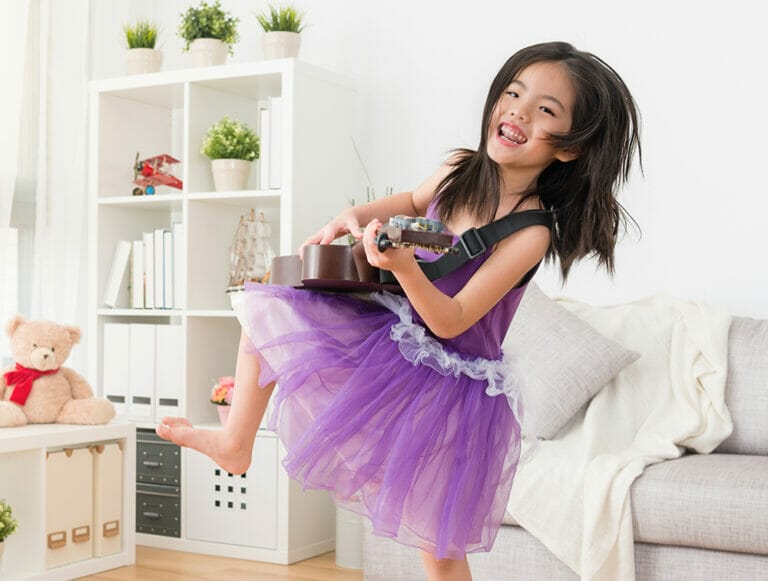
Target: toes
(163, 430)
(174, 421)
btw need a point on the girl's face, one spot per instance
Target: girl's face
(538, 102)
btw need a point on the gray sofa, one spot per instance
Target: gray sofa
(697, 517)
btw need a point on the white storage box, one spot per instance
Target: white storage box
(69, 506)
(107, 499)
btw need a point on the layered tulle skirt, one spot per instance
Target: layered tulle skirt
(378, 412)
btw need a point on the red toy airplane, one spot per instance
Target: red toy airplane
(154, 171)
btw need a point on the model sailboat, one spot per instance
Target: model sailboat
(250, 254)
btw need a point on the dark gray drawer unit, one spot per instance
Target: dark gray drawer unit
(158, 510)
(157, 461)
(158, 485)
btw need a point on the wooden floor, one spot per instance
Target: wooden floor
(162, 565)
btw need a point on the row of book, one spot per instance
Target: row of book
(143, 369)
(155, 270)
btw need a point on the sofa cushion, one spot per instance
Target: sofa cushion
(711, 501)
(746, 389)
(561, 360)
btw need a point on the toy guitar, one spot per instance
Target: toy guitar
(346, 268)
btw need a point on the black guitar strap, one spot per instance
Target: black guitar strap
(475, 241)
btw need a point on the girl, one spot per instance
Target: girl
(387, 403)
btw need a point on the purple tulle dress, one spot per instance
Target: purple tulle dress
(396, 424)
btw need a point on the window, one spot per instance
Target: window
(9, 287)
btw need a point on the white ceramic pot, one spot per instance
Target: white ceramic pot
(230, 174)
(143, 60)
(278, 45)
(208, 52)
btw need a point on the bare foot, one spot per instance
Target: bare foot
(224, 449)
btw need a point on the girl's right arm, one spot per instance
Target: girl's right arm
(413, 203)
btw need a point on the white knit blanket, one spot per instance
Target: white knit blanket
(573, 494)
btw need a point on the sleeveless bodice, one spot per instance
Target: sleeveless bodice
(484, 338)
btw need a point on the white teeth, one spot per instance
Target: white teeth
(512, 135)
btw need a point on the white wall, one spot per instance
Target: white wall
(697, 72)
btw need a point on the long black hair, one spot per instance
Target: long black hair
(580, 193)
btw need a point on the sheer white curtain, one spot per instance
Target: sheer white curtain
(54, 112)
(13, 45)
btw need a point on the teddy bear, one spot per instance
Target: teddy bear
(39, 389)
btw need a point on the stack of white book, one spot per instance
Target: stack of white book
(143, 369)
(155, 270)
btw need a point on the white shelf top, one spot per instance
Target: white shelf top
(58, 435)
(213, 73)
(128, 312)
(237, 195)
(140, 200)
(157, 201)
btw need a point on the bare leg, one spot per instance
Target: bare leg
(445, 569)
(231, 446)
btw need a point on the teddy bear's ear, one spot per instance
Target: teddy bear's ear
(13, 324)
(74, 333)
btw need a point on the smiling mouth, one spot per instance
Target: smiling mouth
(511, 135)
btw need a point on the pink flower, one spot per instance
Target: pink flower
(222, 392)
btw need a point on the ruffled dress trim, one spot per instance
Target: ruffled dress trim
(420, 348)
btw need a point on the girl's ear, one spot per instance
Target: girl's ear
(566, 155)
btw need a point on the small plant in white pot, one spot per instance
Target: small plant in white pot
(8, 524)
(142, 56)
(282, 28)
(231, 146)
(209, 33)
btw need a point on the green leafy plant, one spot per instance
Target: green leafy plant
(8, 524)
(143, 34)
(281, 19)
(230, 139)
(208, 21)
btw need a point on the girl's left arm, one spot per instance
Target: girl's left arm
(447, 316)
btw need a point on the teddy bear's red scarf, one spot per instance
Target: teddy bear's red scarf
(24, 377)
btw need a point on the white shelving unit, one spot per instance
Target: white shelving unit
(23, 486)
(169, 112)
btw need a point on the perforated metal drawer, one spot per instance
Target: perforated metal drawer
(157, 461)
(158, 510)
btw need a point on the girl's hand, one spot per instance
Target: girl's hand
(394, 259)
(344, 223)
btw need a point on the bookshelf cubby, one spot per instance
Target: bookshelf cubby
(170, 112)
(25, 487)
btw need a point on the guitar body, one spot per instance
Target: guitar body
(329, 267)
(346, 268)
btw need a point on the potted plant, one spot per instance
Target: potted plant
(231, 146)
(209, 33)
(142, 56)
(8, 524)
(221, 396)
(281, 31)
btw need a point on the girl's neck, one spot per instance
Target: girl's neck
(515, 183)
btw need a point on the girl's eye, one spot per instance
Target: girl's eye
(512, 94)
(34, 345)
(547, 110)
(53, 349)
